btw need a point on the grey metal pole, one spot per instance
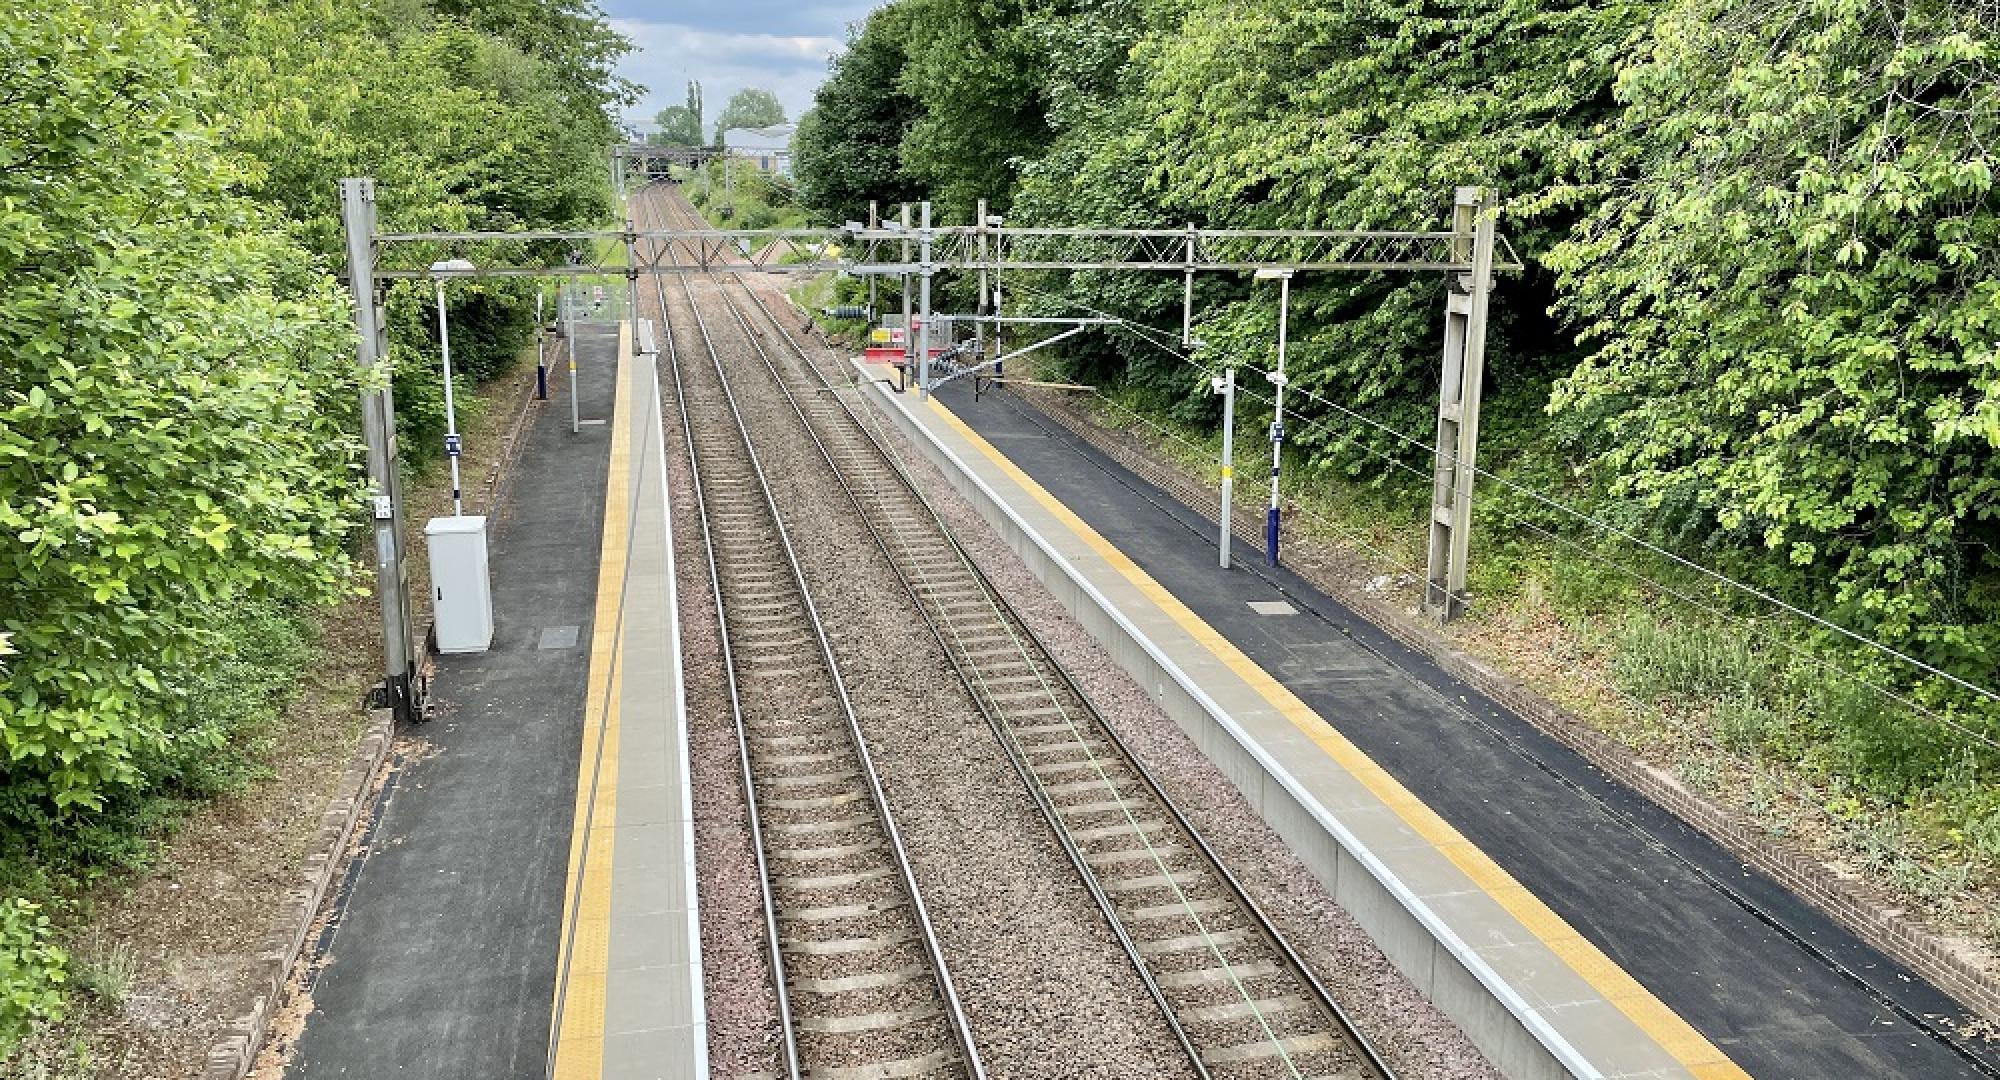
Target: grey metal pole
(632, 279)
(979, 325)
(999, 253)
(1459, 391)
(1228, 456)
(924, 302)
(909, 330)
(451, 440)
(1277, 419)
(378, 426)
(873, 223)
(1187, 295)
(569, 336)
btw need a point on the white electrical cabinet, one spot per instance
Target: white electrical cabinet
(461, 593)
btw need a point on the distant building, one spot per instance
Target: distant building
(769, 148)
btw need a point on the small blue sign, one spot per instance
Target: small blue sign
(452, 445)
(1277, 433)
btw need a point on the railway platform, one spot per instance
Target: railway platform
(536, 833)
(1569, 925)
(628, 997)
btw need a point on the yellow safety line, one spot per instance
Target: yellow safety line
(580, 1039)
(1666, 1027)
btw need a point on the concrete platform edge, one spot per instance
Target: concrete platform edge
(1513, 1035)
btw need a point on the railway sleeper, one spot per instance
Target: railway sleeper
(1264, 1049)
(826, 913)
(1121, 886)
(873, 1021)
(833, 881)
(847, 984)
(1095, 783)
(941, 1062)
(1129, 855)
(1195, 942)
(818, 828)
(1183, 980)
(842, 778)
(846, 946)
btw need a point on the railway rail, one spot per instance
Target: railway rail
(1239, 998)
(863, 991)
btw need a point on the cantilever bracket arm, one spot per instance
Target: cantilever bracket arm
(1003, 358)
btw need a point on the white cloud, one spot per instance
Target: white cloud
(666, 55)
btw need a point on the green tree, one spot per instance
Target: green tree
(680, 125)
(848, 148)
(1792, 290)
(750, 107)
(975, 70)
(175, 409)
(462, 129)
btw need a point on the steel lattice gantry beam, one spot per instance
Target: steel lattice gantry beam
(615, 254)
(880, 251)
(672, 155)
(1467, 255)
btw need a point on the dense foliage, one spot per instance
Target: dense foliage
(1759, 319)
(848, 146)
(178, 420)
(1791, 277)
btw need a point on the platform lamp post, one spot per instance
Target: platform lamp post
(452, 445)
(1284, 276)
(1225, 385)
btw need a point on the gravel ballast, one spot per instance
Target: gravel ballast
(1048, 991)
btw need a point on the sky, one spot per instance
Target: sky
(780, 45)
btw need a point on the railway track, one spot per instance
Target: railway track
(1238, 997)
(862, 986)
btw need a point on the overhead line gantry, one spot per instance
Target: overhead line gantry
(1468, 254)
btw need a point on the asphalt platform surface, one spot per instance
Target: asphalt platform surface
(441, 960)
(1715, 940)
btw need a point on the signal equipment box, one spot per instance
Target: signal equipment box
(461, 589)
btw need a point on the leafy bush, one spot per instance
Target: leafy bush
(1788, 281)
(175, 415)
(32, 970)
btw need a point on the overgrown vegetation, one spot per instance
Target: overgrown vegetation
(178, 420)
(1759, 328)
(745, 197)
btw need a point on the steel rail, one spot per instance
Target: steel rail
(926, 930)
(1339, 1021)
(994, 722)
(773, 938)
